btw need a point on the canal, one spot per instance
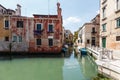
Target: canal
(81, 68)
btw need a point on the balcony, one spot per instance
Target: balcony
(38, 32)
(50, 31)
(93, 32)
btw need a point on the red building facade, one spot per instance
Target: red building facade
(38, 34)
(47, 32)
(20, 28)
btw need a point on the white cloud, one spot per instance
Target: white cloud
(72, 23)
(70, 20)
(98, 11)
(73, 19)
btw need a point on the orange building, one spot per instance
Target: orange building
(5, 32)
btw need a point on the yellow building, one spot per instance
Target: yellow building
(110, 24)
(5, 32)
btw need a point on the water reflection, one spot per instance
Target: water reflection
(82, 68)
(72, 69)
(88, 67)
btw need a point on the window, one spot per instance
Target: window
(38, 26)
(118, 4)
(38, 42)
(80, 35)
(118, 23)
(78, 41)
(14, 38)
(88, 41)
(6, 38)
(2, 10)
(19, 24)
(104, 27)
(104, 42)
(50, 42)
(81, 40)
(50, 28)
(93, 29)
(20, 38)
(6, 24)
(104, 12)
(117, 38)
(93, 41)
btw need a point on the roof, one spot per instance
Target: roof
(10, 10)
(45, 16)
(2, 6)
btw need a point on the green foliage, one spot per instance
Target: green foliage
(101, 77)
(75, 36)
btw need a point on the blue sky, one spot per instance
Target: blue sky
(75, 12)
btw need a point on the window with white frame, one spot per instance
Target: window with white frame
(6, 24)
(50, 42)
(50, 28)
(39, 26)
(118, 23)
(20, 38)
(104, 12)
(118, 4)
(104, 27)
(20, 24)
(14, 38)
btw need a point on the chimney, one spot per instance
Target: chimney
(59, 10)
(18, 10)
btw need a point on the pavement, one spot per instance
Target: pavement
(109, 66)
(116, 54)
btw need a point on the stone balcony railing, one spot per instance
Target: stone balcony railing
(102, 53)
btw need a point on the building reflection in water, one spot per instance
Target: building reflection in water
(88, 67)
(82, 68)
(72, 69)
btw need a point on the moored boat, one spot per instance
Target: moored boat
(83, 51)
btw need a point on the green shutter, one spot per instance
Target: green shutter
(104, 42)
(118, 22)
(50, 28)
(20, 38)
(104, 27)
(14, 38)
(39, 27)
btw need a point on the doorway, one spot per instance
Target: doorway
(104, 42)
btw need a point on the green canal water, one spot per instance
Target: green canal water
(82, 68)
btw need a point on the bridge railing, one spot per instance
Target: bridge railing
(103, 52)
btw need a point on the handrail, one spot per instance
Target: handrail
(103, 52)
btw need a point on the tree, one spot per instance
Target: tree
(75, 36)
